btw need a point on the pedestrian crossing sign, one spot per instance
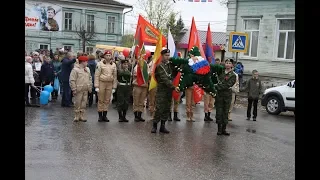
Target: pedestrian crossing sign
(238, 42)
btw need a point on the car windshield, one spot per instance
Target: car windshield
(291, 84)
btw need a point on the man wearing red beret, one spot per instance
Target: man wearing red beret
(105, 83)
(81, 84)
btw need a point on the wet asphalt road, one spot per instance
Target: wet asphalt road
(58, 149)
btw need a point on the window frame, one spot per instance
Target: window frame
(89, 47)
(64, 21)
(71, 45)
(276, 47)
(46, 44)
(114, 26)
(250, 39)
(90, 21)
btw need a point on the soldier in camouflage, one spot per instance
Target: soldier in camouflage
(123, 89)
(224, 94)
(164, 77)
(52, 24)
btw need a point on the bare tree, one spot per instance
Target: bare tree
(157, 11)
(224, 2)
(85, 34)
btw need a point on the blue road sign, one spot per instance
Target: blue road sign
(238, 42)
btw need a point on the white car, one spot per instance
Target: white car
(279, 99)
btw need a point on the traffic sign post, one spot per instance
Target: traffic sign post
(238, 42)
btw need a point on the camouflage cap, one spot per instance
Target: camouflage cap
(124, 61)
(164, 51)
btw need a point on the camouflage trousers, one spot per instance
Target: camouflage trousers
(222, 104)
(163, 104)
(123, 97)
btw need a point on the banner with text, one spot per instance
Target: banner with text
(43, 16)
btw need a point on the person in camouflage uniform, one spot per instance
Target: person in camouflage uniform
(123, 89)
(164, 77)
(224, 94)
(52, 24)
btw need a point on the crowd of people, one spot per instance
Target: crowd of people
(101, 76)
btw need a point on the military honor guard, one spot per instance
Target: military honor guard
(105, 83)
(81, 84)
(224, 95)
(123, 88)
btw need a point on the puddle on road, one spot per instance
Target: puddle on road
(251, 130)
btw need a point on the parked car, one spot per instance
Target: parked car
(279, 99)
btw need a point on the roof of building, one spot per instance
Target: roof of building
(218, 38)
(107, 2)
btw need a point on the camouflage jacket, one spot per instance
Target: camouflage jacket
(215, 71)
(123, 76)
(164, 76)
(225, 83)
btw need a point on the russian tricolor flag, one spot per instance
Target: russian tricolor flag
(171, 45)
(174, 53)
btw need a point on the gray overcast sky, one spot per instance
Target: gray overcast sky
(203, 12)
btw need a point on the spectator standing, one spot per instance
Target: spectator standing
(28, 81)
(253, 87)
(66, 68)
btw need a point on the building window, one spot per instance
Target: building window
(90, 23)
(44, 46)
(252, 26)
(111, 24)
(67, 21)
(67, 47)
(89, 49)
(286, 39)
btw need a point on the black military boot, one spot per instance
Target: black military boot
(140, 118)
(224, 132)
(154, 127)
(104, 116)
(100, 117)
(163, 128)
(124, 119)
(206, 117)
(120, 116)
(210, 119)
(136, 118)
(175, 116)
(219, 129)
(170, 117)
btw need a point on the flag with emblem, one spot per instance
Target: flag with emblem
(156, 61)
(142, 66)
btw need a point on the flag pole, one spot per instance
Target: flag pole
(168, 37)
(133, 60)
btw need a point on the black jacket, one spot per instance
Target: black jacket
(47, 72)
(66, 68)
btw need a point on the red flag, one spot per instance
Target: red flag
(194, 40)
(175, 94)
(209, 49)
(149, 32)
